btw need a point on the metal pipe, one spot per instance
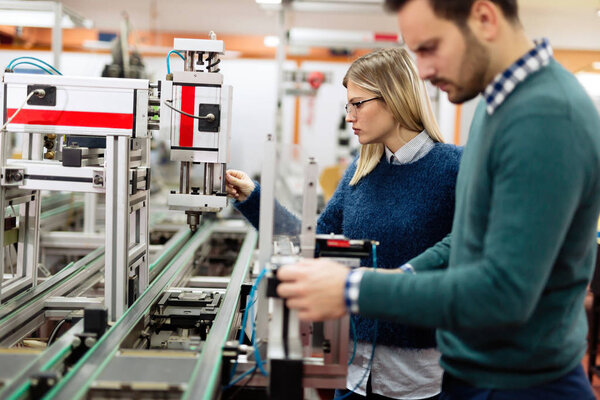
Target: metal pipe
(188, 167)
(209, 176)
(223, 173)
(189, 61)
(181, 175)
(184, 177)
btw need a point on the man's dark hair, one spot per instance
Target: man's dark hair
(458, 10)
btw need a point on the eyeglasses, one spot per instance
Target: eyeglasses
(352, 108)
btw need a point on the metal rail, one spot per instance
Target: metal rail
(25, 297)
(33, 304)
(21, 383)
(205, 381)
(55, 353)
(76, 383)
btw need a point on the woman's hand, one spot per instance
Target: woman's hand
(239, 185)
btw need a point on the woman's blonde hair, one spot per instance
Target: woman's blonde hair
(392, 75)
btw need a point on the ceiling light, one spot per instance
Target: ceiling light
(271, 41)
(310, 37)
(39, 14)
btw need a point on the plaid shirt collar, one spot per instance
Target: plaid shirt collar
(504, 83)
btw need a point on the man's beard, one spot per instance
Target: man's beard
(473, 70)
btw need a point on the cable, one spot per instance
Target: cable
(209, 116)
(239, 389)
(39, 92)
(168, 63)
(30, 63)
(374, 251)
(34, 58)
(55, 331)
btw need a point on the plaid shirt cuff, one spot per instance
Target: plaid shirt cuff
(407, 269)
(352, 289)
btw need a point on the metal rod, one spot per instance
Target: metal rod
(181, 175)
(265, 229)
(223, 173)
(209, 176)
(189, 61)
(57, 43)
(188, 167)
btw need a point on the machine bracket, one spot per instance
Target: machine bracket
(98, 180)
(12, 176)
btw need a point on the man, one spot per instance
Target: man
(506, 288)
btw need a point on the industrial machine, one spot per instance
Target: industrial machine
(195, 114)
(193, 314)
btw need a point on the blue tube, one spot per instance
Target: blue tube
(36, 59)
(249, 305)
(239, 378)
(259, 362)
(30, 63)
(168, 63)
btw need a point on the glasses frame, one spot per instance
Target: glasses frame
(352, 108)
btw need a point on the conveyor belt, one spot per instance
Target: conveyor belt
(76, 383)
(26, 306)
(56, 353)
(204, 381)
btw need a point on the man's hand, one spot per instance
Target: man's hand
(239, 185)
(315, 288)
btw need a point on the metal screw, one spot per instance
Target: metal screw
(98, 180)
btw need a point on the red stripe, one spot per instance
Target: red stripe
(338, 243)
(72, 118)
(186, 126)
(386, 37)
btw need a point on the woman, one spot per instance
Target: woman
(400, 191)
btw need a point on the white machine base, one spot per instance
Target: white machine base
(196, 202)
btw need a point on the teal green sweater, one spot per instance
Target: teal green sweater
(509, 307)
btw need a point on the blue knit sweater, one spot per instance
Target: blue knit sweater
(407, 208)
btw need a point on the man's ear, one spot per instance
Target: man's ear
(484, 20)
